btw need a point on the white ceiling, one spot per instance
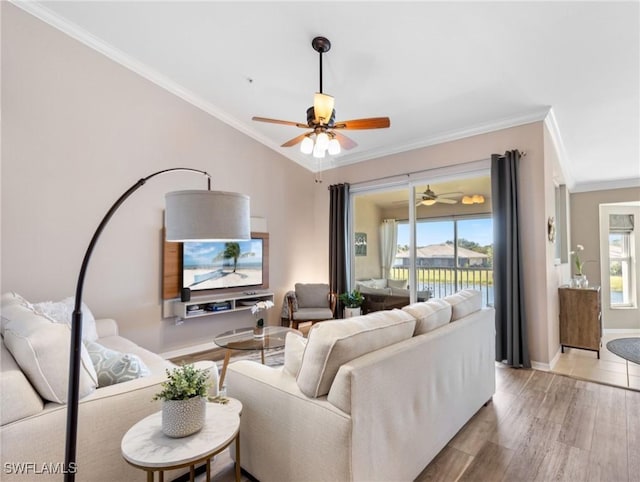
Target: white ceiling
(439, 70)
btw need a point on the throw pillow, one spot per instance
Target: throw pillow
(379, 283)
(429, 315)
(41, 349)
(62, 311)
(400, 284)
(114, 367)
(464, 303)
(9, 300)
(294, 345)
(366, 283)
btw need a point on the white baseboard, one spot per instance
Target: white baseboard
(540, 366)
(188, 350)
(546, 367)
(612, 331)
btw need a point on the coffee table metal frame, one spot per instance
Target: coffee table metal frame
(245, 339)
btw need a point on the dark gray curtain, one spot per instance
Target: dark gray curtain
(338, 212)
(511, 321)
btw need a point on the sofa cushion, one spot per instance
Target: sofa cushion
(400, 292)
(62, 311)
(113, 366)
(41, 349)
(429, 315)
(335, 342)
(464, 303)
(19, 398)
(365, 290)
(294, 346)
(312, 295)
(307, 314)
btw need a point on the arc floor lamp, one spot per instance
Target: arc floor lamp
(194, 215)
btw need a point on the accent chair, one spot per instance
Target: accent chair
(311, 302)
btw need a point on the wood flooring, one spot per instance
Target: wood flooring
(539, 427)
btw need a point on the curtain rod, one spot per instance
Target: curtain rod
(408, 175)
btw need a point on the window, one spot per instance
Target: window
(621, 262)
(451, 255)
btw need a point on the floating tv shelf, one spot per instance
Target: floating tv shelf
(219, 304)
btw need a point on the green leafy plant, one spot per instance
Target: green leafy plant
(183, 383)
(353, 299)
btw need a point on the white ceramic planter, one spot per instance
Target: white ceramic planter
(181, 418)
(350, 312)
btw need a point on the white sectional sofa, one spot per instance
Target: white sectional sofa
(33, 426)
(374, 397)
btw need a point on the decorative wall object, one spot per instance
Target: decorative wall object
(361, 244)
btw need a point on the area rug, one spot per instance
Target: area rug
(273, 357)
(627, 348)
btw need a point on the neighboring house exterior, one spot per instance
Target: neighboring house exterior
(442, 256)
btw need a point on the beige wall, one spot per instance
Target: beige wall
(79, 129)
(585, 228)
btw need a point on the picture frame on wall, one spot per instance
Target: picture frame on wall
(360, 244)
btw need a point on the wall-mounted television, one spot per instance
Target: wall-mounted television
(214, 265)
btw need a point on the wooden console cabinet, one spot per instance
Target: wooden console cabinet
(580, 318)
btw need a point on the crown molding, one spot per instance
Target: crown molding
(534, 115)
(606, 185)
(556, 138)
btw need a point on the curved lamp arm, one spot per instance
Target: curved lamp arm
(70, 466)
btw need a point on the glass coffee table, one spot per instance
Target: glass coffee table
(269, 338)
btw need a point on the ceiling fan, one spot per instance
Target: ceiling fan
(324, 135)
(429, 198)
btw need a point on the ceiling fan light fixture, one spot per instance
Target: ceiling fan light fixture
(429, 202)
(322, 141)
(306, 147)
(318, 152)
(334, 147)
(323, 107)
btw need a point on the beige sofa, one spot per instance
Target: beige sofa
(33, 428)
(374, 397)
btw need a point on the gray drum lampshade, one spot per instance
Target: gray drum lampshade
(199, 215)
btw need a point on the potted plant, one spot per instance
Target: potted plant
(264, 305)
(184, 400)
(352, 301)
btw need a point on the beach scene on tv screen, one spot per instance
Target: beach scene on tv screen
(211, 265)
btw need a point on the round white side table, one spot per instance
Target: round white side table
(145, 446)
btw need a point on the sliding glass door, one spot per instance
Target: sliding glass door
(416, 241)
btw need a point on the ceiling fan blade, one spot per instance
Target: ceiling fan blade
(370, 123)
(345, 142)
(445, 200)
(457, 193)
(295, 140)
(283, 122)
